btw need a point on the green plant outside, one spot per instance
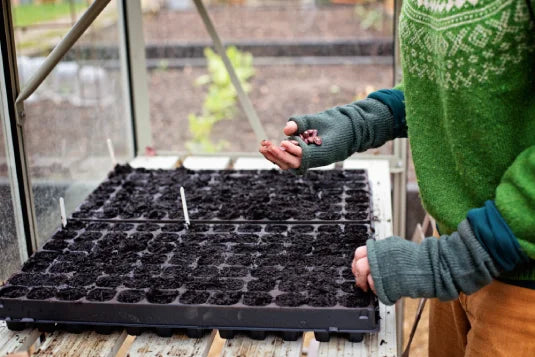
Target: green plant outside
(220, 101)
(30, 14)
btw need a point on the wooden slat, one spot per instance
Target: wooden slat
(155, 162)
(206, 162)
(338, 347)
(149, 344)
(16, 341)
(323, 168)
(92, 344)
(243, 346)
(253, 163)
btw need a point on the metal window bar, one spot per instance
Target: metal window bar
(57, 53)
(243, 98)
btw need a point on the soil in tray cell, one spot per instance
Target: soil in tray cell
(13, 291)
(239, 259)
(41, 293)
(291, 299)
(255, 298)
(131, 296)
(262, 284)
(71, 294)
(109, 281)
(147, 227)
(225, 298)
(194, 297)
(101, 294)
(158, 296)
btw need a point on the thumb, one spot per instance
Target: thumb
(290, 128)
(361, 252)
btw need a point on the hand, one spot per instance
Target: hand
(288, 155)
(361, 269)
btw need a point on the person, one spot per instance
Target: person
(467, 104)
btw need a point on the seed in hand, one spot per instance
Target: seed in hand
(310, 136)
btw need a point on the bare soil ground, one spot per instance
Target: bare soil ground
(282, 22)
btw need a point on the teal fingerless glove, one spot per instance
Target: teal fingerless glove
(344, 130)
(439, 268)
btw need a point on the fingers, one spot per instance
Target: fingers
(290, 128)
(283, 159)
(268, 155)
(292, 148)
(363, 270)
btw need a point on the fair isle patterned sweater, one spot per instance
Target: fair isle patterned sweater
(469, 86)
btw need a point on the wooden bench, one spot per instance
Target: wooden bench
(31, 342)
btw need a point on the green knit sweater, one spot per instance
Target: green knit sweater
(469, 84)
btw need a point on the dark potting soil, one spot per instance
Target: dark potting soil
(13, 291)
(254, 298)
(71, 294)
(231, 195)
(101, 294)
(41, 293)
(225, 298)
(131, 296)
(299, 265)
(194, 297)
(157, 296)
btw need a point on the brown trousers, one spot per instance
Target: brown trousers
(498, 320)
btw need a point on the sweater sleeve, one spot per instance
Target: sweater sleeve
(438, 268)
(515, 200)
(350, 128)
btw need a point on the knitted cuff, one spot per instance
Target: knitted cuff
(376, 272)
(440, 268)
(395, 100)
(495, 235)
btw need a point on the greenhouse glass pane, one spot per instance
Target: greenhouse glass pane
(77, 108)
(9, 247)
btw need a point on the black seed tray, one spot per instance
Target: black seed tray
(141, 194)
(254, 277)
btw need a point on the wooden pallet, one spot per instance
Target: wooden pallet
(31, 342)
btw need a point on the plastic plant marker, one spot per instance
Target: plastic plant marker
(62, 212)
(111, 152)
(184, 206)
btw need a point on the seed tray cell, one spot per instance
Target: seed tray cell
(140, 194)
(255, 277)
